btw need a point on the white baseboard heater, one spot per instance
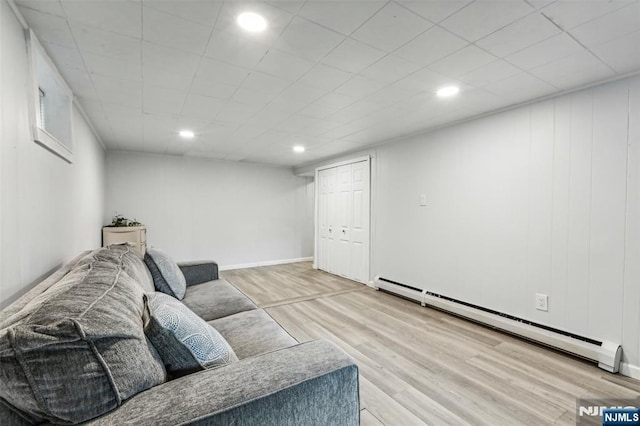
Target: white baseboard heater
(606, 354)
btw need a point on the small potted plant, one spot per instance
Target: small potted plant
(120, 221)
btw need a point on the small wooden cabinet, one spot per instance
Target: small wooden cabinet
(134, 235)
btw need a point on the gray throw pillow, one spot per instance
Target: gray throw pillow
(167, 276)
(184, 341)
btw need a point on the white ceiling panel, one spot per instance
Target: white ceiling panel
(168, 30)
(431, 46)
(391, 27)
(353, 56)
(570, 13)
(546, 51)
(201, 11)
(435, 10)
(341, 16)
(105, 43)
(331, 75)
(481, 18)
(567, 71)
(389, 69)
(609, 27)
(51, 28)
(325, 77)
(236, 49)
(118, 17)
(622, 54)
(519, 35)
(462, 61)
(307, 40)
(283, 65)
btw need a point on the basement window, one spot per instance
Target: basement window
(52, 103)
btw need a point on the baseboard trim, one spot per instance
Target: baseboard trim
(630, 370)
(265, 263)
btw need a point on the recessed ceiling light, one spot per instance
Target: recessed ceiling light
(252, 22)
(186, 134)
(298, 148)
(447, 91)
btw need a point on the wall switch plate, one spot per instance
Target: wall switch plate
(423, 200)
(542, 302)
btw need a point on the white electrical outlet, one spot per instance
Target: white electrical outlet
(542, 302)
(423, 200)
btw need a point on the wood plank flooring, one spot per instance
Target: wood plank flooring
(423, 366)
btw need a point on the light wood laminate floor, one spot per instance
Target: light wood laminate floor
(423, 366)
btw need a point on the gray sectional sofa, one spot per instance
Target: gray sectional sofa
(74, 350)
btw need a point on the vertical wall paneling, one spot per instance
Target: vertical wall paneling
(560, 209)
(631, 302)
(608, 210)
(579, 226)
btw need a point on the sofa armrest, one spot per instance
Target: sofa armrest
(199, 271)
(313, 383)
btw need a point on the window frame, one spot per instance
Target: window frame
(40, 135)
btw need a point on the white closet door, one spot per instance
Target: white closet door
(343, 220)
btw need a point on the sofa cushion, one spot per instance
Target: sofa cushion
(216, 299)
(252, 333)
(185, 342)
(167, 276)
(78, 350)
(130, 260)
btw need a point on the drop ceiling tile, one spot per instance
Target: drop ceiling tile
(327, 105)
(609, 27)
(573, 71)
(435, 10)
(353, 56)
(570, 13)
(391, 27)
(217, 71)
(236, 49)
(171, 31)
(390, 68)
(160, 100)
(431, 46)
(519, 88)
(462, 61)
(265, 83)
(105, 43)
(546, 51)
(494, 71)
(166, 78)
(248, 96)
(291, 6)
(344, 16)
(159, 128)
(215, 89)
(119, 17)
(307, 40)
(621, 54)
(300, 93)
(283, 65)
(354, 112)
(45, 6)
(166, 58)
(64, 57)
(49, 28)
(360, 86)
(325, 77)
(426, 80)
(80, 83)
(201, 11)
(390, 95)
(519, 35)
(236, 112)
(126, 68)
(481, 18)
(115, 91)
(341, 131)
(202, 107)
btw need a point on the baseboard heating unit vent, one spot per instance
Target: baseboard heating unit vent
(606, 354)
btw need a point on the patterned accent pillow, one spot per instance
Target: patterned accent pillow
(185, 342)
(167, 276)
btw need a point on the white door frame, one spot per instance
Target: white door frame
(316, 244)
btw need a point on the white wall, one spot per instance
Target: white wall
(194, 208)
(50, 210)
(544, 198)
